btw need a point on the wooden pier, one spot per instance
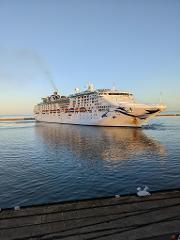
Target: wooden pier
(114, 218)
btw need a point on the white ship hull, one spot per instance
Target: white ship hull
(112, 118)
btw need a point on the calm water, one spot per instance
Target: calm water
(41, 162)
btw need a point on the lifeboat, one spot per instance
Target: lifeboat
(52, 111)
(82, 109)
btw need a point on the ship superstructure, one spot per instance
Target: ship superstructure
(101, 107)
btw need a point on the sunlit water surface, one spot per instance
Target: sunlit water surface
(42, 163)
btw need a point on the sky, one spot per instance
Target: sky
(133, 45)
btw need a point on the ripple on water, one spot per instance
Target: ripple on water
(42, 162)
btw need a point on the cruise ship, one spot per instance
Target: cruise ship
(98, 107)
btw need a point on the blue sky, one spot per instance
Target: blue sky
(132, 44)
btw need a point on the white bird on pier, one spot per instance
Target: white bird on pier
(117, 196)
(143, 192)
(17, 208)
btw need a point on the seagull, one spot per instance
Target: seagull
(17, 208)
(117, 196)
(143, 192)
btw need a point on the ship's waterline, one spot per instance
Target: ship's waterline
(101, 107)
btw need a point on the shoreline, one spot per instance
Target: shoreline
(16, 119)
(169, 115)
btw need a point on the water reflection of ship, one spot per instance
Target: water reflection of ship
(106, 143)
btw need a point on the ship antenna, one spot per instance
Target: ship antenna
(114, 86)
(160, 97)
